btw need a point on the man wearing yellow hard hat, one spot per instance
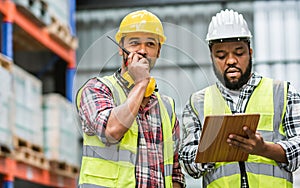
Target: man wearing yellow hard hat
(131, 132)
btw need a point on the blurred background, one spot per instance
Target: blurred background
(50, 48)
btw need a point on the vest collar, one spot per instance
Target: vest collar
(125, 85)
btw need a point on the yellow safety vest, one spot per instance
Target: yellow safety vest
(114, 165)
(268, 99)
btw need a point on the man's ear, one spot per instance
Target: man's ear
(121, 43)
(250, 51)
(120, 52)
(158, 51)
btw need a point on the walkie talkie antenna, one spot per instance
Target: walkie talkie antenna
(124, 50)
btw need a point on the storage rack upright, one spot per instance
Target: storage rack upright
(11, 17)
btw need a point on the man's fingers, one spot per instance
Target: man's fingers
(249, 132)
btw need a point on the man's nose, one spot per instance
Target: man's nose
(231, 60)
(142, 49)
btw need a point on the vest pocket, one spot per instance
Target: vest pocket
(266, 122)
(100, 172)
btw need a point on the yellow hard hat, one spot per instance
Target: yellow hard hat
(141, 21)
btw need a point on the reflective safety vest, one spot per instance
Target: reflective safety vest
(114, 165)
(268, 99)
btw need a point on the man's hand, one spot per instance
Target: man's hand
(256, 145)
(138, 67)
(176, 185)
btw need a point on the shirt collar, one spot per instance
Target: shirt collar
(124, 83)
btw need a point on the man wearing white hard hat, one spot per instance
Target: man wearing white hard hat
(131, 131)
(274, 149)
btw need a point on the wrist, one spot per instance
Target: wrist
(143, 82)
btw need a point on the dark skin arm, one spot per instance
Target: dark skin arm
(256, 145)
(176, 185)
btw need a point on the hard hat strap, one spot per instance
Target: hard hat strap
(229, 40)
(244, 39)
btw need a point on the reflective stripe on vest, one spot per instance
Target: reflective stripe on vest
(85, 185)
(111, 153)
(233, 168)
(268, 99)
(115, 164)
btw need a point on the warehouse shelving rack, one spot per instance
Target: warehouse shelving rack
(17, 169)
(11, 15)
(10, 168)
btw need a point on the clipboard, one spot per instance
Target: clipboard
(213, 146)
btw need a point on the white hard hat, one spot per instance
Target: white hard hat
(228, 24)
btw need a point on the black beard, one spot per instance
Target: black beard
(234, 85)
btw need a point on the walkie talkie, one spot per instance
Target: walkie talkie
(152, 83)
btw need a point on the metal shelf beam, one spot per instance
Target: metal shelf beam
(40, 34)
(11, 169)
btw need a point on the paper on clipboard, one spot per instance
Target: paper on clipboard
(213, 146)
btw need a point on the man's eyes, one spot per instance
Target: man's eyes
(134, 43)
(220, 55)
(239, 53)
(223, 56)
(149, 44)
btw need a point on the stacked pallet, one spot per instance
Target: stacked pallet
(20, 115)
(36, 10)
(63, 168)
(53, 15)
(62, 34)
(61, 134)
(36, 129)
(29, 153)
(5, 62)
(27, 106)
(6, 142)
(59, 28)
(60, 10)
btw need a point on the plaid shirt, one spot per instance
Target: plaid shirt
(96, 104)
(192, 126)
